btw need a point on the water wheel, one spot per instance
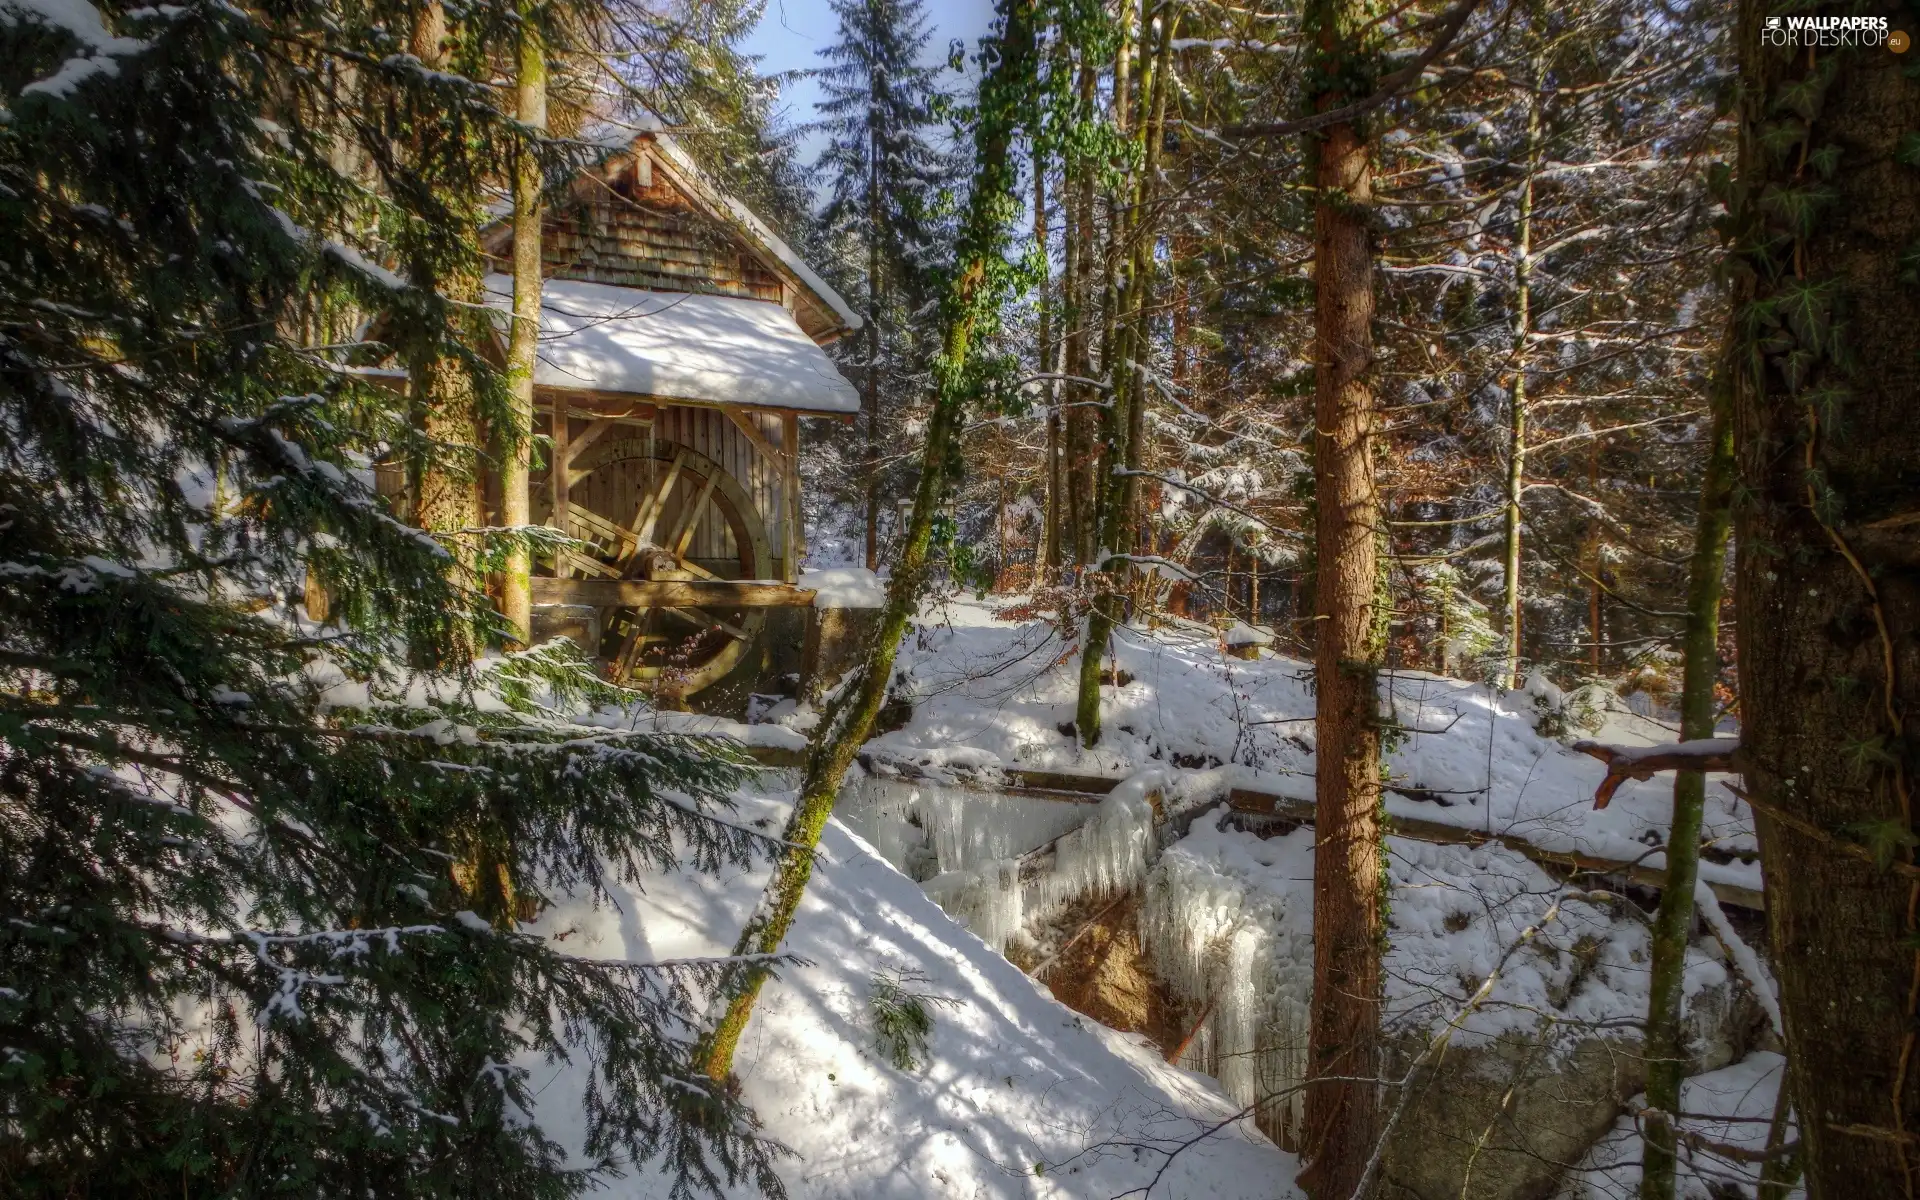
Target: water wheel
(640, 504)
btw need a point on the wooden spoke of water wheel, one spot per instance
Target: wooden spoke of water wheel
(658, 493)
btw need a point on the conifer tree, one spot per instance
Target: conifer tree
(247, 945)
(884, 175)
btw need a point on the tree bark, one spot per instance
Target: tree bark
(1082, 420)
(516, 450)
(1119, 489)
(446, 483)
(1043, 363)
(1004, 95)
(1517, 398)
(875, 231)
(1343, 1117)
(1665, 1036)
(1828, 574)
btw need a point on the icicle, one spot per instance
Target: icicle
(986, 900)
(1217, 940)
(1106, 855)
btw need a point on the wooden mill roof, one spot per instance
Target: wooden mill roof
(645, 216)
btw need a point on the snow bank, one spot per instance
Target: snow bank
(845, 587)
(1472, 758)
(1021, 1097)
(1243, 634)
(1732, 1106)
(765, 735)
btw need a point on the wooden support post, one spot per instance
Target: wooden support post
(558, 478)
(794, 543)
(744, 423)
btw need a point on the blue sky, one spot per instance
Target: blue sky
(793, 32)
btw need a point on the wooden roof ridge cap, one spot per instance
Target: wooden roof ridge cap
(768, 247)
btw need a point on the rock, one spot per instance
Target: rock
(1500, 1121)
(835, 639)
(1497, 1121)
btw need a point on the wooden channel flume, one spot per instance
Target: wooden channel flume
(1068, 788)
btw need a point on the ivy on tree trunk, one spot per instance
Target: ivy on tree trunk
(981, 277)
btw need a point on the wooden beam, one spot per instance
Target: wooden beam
(706, 620)
(581, 515)
(1302, 811)
(691, 593)
(744, 423)
(656, 503)
(558, 476)
(690, 519)
(638, 407)
(578, 446)
(587, 566)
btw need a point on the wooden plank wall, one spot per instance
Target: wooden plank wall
(649, 237)
(614, 492)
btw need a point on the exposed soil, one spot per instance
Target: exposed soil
(1103, 974)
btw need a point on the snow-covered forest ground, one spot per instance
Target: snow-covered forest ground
(1017, 1094)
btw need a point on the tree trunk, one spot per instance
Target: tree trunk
(1004, 95)
(516, 450)
(444, 482)
(1120, 489)
(1517, 412)
(1043, 362)
(1665, 1037)
(1596, 563)
(1342, 1117)
(875, 231)
(1082, 420)
(1829, 573)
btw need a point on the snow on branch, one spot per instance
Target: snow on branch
(1446, 28)
(1209, 497)
(1641, 762)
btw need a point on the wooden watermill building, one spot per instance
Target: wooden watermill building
(680, 349)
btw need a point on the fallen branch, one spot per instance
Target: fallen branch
(1178, 1052)
(1641, 762)
(1702, 1144)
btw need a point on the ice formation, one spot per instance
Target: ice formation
(995, 861)
(1243, 954)
(928, 830)
(1108, 854)
(1227, 923)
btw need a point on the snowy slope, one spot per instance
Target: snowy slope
(1022, 1097)
(990, 692)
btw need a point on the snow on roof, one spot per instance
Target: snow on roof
(679, 346)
